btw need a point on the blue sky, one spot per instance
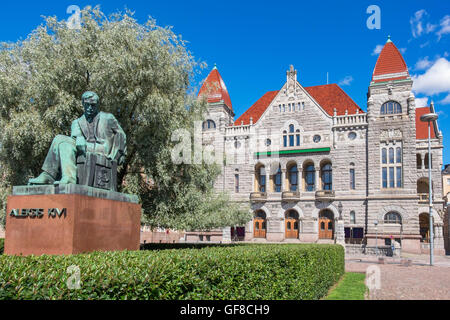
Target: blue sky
(254, 42)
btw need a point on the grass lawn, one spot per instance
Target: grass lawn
(350, 287)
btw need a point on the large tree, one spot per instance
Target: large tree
(143, 75)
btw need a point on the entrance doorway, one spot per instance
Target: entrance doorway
(424, 225)
(326, 225)
(291, 225)
(259, 225)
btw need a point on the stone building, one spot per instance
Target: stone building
(315, 167)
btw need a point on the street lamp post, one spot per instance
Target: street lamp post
(428, 118)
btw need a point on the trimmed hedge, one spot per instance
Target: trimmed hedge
(184, 245)
(269, 271)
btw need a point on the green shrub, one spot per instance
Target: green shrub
(270, 271)
(2, 245)
(181, 245)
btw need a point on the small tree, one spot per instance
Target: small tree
(143, 75)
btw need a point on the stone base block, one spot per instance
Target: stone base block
(308, 237)
(275, 236)
(70, 224)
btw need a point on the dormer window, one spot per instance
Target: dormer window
(391, 107)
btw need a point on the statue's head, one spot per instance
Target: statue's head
(90, 101)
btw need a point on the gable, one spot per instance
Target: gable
(329, 97)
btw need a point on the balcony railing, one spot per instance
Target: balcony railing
(258, 196)
(424, 197)
(291, 196)
(325, 195)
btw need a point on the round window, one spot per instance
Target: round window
(316, 138)
(268, 142)
(352, 135)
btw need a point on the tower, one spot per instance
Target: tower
(391, 148)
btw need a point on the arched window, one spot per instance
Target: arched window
(327, 177)
(392, 217)
(391, 107)
(419, 161)
(352, 176)
(291, 137)
(352, 217)
(310, 177)
(293, 178)
(260, 178)
(209, 125)
(277, 180)
(426, 161)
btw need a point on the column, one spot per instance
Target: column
(317, 182)
(226, 235)
(284, 183)
(438, 236)
(340, 233)
(300, 178)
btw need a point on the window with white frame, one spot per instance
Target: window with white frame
(391, 165)
(291, 137)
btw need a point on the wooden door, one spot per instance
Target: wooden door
(291, 227)
(325, 228)
(259, 228)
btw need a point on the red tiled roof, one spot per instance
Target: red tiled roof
(331, 96)
(390, 61)
(422, 127)
(257, 109)
(328, 96)
(215, 90)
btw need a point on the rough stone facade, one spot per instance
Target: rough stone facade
(350, 142)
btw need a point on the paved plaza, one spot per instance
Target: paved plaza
(399, 282)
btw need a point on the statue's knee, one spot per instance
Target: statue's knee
(64, 142)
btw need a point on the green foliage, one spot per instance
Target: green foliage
(351, 287)
(180, 245)
(288, 271)
(143, 75)
(2, 245)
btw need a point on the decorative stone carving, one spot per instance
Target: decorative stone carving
(391, 134)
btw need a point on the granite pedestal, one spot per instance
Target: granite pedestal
(70, 219)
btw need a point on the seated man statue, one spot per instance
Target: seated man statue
(90, 155)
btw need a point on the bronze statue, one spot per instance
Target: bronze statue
(90, 156)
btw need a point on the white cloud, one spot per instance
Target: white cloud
(446, 100)
(420, 27)
(377, 49)
(402, 50)
(417, 23)
(445, 26)
(421, 102)
(435, 80)
(423, 64)
(346, 81)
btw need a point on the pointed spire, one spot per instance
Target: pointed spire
(390, 64)
(214, 89)
(389, 39)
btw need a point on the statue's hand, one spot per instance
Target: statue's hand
(81, 145)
